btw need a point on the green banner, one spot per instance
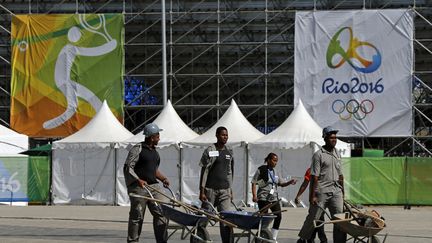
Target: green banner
(13, 179)
(375, 180)
(39, 174)
(419, 181)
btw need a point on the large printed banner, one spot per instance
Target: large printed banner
(13, 179)
(353, 70)
(63, 67)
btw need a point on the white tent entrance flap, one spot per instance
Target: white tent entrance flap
(240, 132)
(86, 164)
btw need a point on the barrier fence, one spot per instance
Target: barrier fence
(39, 176)
(388, 180)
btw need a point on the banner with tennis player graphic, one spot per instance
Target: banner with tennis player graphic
(353, 70)
(63, 67)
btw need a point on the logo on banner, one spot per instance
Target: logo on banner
(352, 108)
(62, 72)
(350, 55)
(69, 63)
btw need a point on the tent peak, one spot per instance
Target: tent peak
(103, 127)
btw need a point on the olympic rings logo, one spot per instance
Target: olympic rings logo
(335, 48)
(352, 108)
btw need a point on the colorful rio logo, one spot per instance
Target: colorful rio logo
(352, 109)
(360, 64)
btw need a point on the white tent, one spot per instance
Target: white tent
(240, 132)
(12, 142)
(294, 141)
(174, 131)
(85, 164)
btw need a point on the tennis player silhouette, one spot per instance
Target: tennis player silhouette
(62, 72)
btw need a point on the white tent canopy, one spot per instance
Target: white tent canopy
(294, 141)
(174, 132)
(297, 131)
(102, 128)
(239, 129)
(174, 128)
(240, 132)
(86, 163)
(12, 142)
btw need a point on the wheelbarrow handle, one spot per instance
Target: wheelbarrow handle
(265, 208)
(186, 206)
(318, 223)
(352, 210)
(153, 199)
(273, 213)
(235, 206)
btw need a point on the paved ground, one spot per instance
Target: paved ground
(109, 224)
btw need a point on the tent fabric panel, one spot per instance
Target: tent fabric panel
(87, 145)
(83, 177)
(122, 197)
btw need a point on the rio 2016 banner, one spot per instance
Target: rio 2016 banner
(13, 179)
(63, 67)
(353, 70)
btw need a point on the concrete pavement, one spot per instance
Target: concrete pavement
(109, 224)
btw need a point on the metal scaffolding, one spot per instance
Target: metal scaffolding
(222, 50)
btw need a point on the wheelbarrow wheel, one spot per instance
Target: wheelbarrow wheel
(264, 233)
(202, 233)
(374, 239)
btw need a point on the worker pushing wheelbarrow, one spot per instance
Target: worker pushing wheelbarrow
(361, 225)
(188, 218)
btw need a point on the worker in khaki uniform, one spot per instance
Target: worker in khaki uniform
(217, 172)
(141, 174)
(326, 187)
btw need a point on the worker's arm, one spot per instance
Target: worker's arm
(313, 199)
(131, 161)
(290, 182)
(162, 178)
(301, 190)
(205, 159)
(254, 193)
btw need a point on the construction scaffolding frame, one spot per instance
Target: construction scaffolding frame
(219, 50)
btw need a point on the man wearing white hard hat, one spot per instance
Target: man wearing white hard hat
(140, 170)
